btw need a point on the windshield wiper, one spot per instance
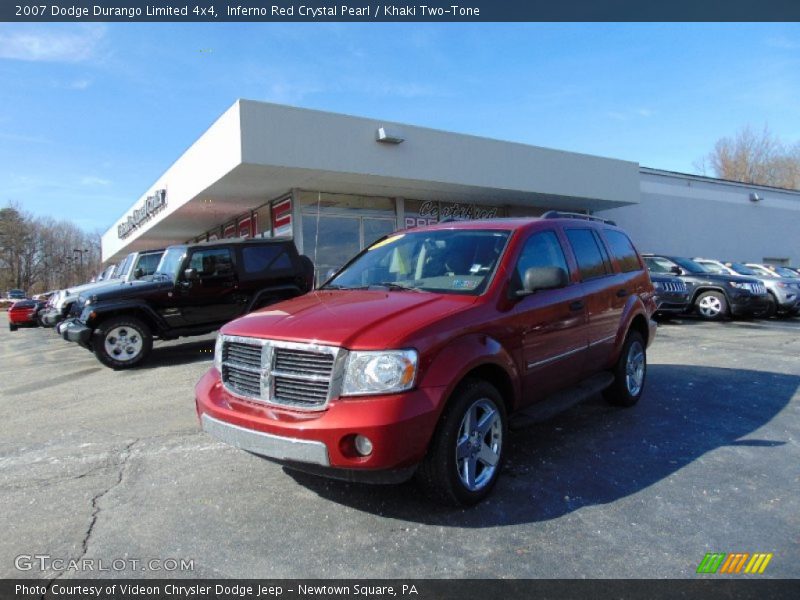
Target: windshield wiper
(396, 286)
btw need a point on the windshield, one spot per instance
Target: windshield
(689, 265)
(655, 265)
(784, 272)
(170, 263)
(741, 269)
(446, 260)
(124, 267)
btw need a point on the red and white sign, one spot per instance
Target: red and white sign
(248, 226)
(230, 231)
(282, 217)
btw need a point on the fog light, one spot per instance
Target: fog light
(363, 445)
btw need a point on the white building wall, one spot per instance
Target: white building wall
(214, 154)
(686, 215)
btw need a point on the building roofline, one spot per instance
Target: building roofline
(652, 171)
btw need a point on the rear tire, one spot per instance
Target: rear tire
(467, 450)
(122, 342)
(712, 306)
(12, 327)
(630, 372)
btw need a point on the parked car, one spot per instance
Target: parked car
(783, 296)
(672, 295)
(715, 296)
(196, 288)
(16, 294)
(135, 266)
(23, 314)
(411, 358)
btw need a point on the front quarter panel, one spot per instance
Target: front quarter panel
(464, 354)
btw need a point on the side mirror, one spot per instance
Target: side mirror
(138, 273)
(191, 275)
(543, 278)
(677, 270)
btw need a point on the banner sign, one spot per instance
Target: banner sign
(153, 204)
(381, 11)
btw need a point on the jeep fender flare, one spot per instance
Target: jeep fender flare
(464, 355)
(708, 288)
(288, 290)
(152, 318)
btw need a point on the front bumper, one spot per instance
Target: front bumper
(75, 331)
(672, 302)
(400, 427)
(51, 317)
(749, 304)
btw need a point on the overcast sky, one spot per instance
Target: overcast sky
(92, 114)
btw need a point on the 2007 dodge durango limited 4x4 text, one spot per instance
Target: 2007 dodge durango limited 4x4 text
(411, 358)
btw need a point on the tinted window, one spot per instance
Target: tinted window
(212, 262)
(622, 249)
(257, 259)
(587, 253)
(148, 263)
(541, 250)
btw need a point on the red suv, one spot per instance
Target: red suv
(411, 358)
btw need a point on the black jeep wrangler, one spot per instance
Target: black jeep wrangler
(196, 289)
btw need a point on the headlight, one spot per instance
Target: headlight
(218, 353)
(658, 285)
(739, 285)
(87, 302)
(782, 284)
(379, 372)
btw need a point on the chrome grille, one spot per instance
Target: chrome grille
(300, 376)
(301, 362)
(758, 288)
(242, 354)
(242, 382)
(674, 286)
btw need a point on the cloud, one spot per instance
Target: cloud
(51, 45)
(79, 84)
(627, 115)
(24, 139)
(782, 43)
(93, 181)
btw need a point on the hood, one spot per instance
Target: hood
(720, 277)
(356, 319)
(76, 290)
(664, 277)
(118, 290)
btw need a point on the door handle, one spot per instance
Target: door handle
(577, 305)
(622, 293)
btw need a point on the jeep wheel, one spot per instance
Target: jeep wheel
(466, 453)
(122, 342)
(12, 327)
(711, 306)
(630, 372)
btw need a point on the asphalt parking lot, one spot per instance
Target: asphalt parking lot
(102, 464)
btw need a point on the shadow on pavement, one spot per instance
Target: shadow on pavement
(179, 354)
(594, 453)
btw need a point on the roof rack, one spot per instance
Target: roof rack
(557, 214)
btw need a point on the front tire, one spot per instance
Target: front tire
(466, 453)
(630, 372)
(711, 306)
(12, 327)
(122, 342)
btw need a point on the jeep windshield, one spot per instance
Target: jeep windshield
(451, 261)
(170, 263)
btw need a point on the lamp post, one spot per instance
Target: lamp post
(80, 252)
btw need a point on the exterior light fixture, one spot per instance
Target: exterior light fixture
(387, 136)
(755, 197)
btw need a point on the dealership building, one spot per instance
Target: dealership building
(335, 183)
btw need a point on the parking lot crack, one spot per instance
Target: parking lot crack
(125, 454)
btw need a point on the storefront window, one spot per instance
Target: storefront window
(330, 242)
